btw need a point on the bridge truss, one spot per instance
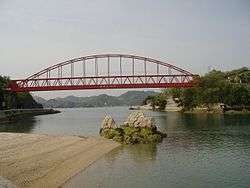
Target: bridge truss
(106, 71)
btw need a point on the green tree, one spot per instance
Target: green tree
(157, 101)
(209, 97)
(188, 99)
(231, 88)
(3, 95)
(176, 92)
(160, 101)
(237, 95)
(15, 100)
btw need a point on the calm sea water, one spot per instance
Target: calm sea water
(200, 150)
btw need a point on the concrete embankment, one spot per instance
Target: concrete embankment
(8, 115)
(31, 160)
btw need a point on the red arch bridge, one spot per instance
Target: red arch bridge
(106, 71)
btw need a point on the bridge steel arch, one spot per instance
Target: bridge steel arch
(163, 75)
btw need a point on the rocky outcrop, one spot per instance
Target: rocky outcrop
(137, 119)
(137, 129)
(108, 123)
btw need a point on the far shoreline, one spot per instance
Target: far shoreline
(13, 114)
(194, 111)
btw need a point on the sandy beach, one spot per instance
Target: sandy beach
(32, 160)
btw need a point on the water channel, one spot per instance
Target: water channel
(200, 151)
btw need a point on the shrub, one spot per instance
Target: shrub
(132, 135)
(130, 130)
(118, 139)
(145, 132)
(110, 133)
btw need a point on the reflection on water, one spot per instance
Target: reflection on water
(141, 153)
(80, 121)
(19, 125)
(200, 150)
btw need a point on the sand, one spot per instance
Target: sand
(32, 160)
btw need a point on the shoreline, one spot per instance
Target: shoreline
(41, 160)
(12, 114)
(195, 111)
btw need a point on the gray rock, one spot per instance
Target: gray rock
(108, 123)
(137, 119)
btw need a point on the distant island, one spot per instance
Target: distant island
(129, 98)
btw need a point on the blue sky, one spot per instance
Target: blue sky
(194, 34)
